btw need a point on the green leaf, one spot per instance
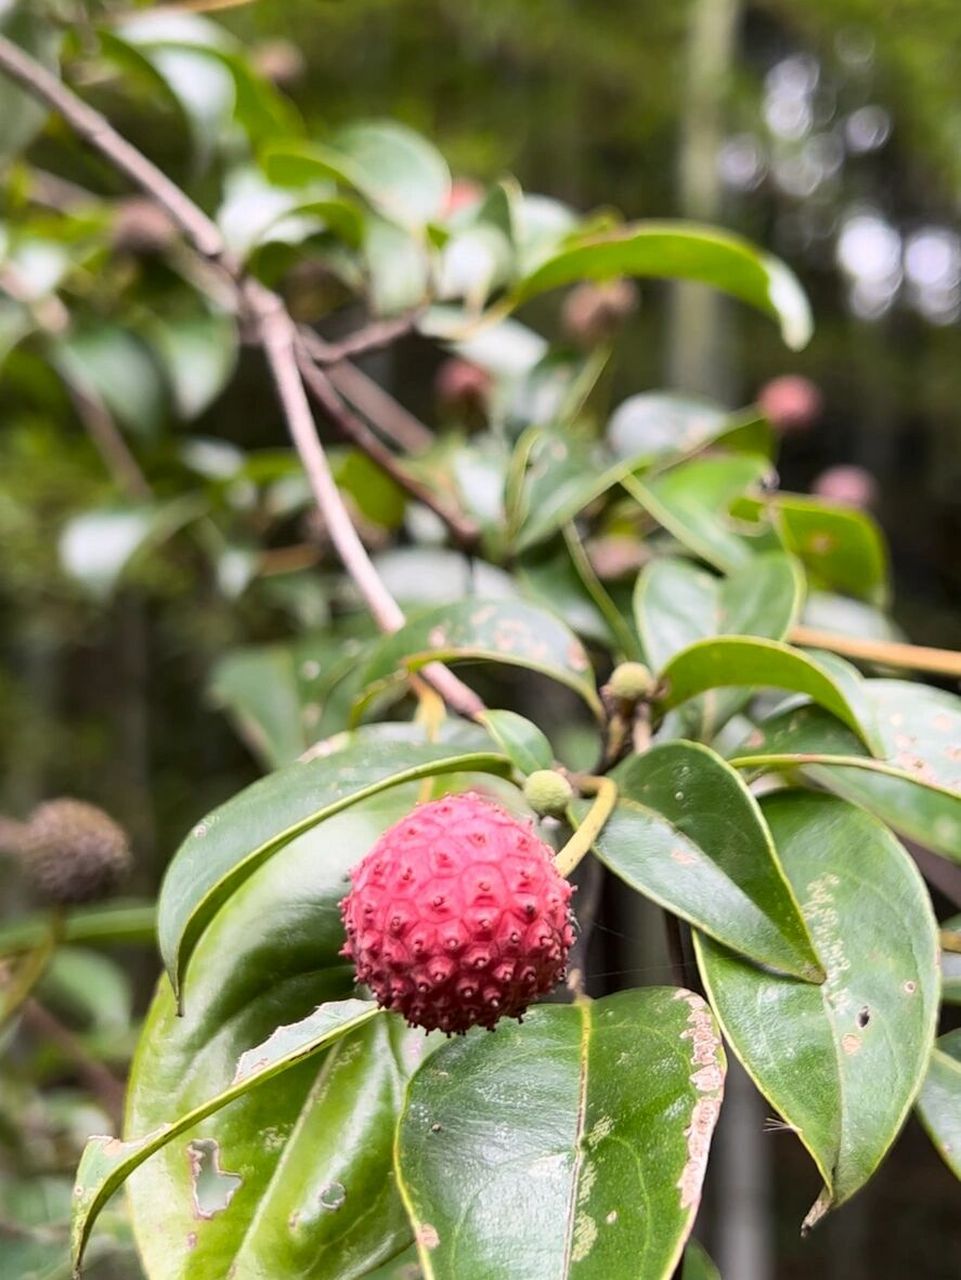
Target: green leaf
(548, 576)
(843, 1062)
(92, 988)
(692, 502)
(915, 785)
(660, 423)
(107, 1162)
(115, 922)
(563, 477)
(759, 664)
(23, 117)
(527, 746)
(285, 697)
(305, 1183)
(677, 603)
(697, 1265)
(939, 1104)
(394, 168)
(181, 48)
(397, 267)
(510, 632)
(227, 846)
(199, 354)
(680, 251)
(97, 546)
(842, 549)
(571, 1146)
(688, 834)
(951, 965)
(114, 366)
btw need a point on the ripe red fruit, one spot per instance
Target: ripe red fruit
(457, 916)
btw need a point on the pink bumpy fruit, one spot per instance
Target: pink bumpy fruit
(457, 917)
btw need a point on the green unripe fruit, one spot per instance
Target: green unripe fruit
(73, 852)
(631, 681)
(548, 792)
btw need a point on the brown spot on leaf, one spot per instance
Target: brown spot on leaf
(850, 1043)
(427, 1236)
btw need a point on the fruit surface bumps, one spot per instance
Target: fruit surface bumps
(457, 917)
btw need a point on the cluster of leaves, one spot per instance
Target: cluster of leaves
(284, 1124)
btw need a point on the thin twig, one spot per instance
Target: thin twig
(280, 340)
(98, 133)
(109, 443)
(378, 406)
(464, 531)
(278, 333)
(373, 337)
(99, 1079)
(886, 653)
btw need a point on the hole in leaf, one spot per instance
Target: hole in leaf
(213, 1188)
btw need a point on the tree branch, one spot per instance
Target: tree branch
(280, 342)
(374, 337)
(886, 653)
(99, 1079)
(370, 399)
(99, 134)
(278, 335)
(464, 531)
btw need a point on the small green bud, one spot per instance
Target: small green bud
(548, 792)
(631, 681)
(73, 852)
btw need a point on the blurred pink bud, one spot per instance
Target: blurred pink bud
(847, 486)
(595, 313)
(791, 402)
(463, 389)
(463, 193)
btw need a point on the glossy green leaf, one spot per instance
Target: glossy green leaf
(914, 785)
(525, 744)
(841, 548)
(227, 846)
(22, 115)
(692, 502)
(842, 1063)
(305, 1184)
(108, 1162)
(688, 834)
(393, 167)
(510, 632)
(939, 1104)
(677, 603)
(759, 664)
(571, 1146)
(681, 251)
